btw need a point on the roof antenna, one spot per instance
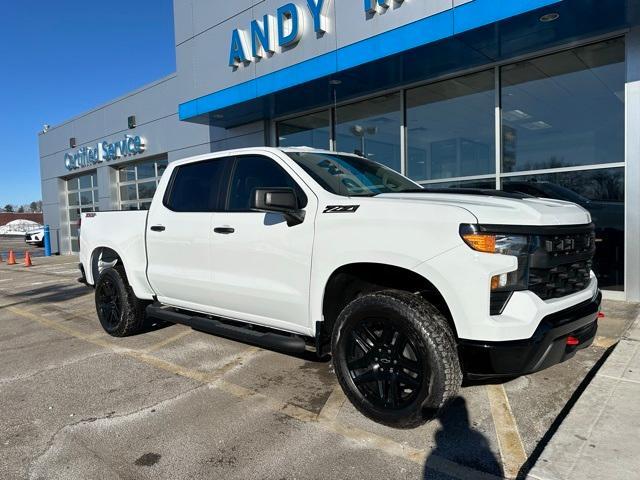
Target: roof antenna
(334, 117)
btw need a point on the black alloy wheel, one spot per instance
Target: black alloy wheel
(108, 303)
(396, 358)
(120, 312)
(384, 364)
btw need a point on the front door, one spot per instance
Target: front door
(261, 266)
(179, 233)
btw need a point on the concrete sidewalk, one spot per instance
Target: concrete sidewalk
(600, 438)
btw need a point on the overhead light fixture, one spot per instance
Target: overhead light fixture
(72, 142)
(335, 82)
(550, 17)
(515, 115)
(217, 116)
(539, 125)
(131, 121)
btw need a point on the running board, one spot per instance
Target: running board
(270, 340)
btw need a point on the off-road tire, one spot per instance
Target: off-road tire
(423, 325)
(130, 318)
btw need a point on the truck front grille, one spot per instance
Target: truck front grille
(561, 264)
(561, 280)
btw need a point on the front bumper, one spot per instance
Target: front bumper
(547, 347)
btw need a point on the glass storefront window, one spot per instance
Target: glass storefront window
(162, 166)
(74, 199)
(565, 109)
(311, 130)
(82, 196)
(127, 174)
(85, 181)
(372, 129)
(139, 181)
(146, 170)
(128, 192)
(451, 128)
(601, 192)
(86, 198)
(146, 190)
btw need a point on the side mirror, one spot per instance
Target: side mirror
(278, 200)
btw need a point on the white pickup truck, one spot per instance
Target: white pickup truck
(297, 249)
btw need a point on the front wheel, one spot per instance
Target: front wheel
(395, 358)
(120, 312)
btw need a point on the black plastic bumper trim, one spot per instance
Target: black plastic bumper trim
(547, 347)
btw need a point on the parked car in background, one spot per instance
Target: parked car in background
(35, 237)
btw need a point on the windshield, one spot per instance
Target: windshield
(352, 176)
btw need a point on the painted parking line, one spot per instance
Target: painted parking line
(215, 378)
(333, 405)
(509, 440)
(604, 342)
(168, 341)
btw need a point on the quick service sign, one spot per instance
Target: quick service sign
(105, 152)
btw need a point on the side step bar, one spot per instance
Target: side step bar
(275, 341)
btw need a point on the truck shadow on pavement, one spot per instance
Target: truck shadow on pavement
(51, 293)
(458, 441)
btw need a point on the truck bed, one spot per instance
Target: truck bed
(121, 231)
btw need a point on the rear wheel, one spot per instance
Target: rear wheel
(120, 312)
(395, 358)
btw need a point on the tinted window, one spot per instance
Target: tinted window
(451, 128)
(351, 176)
(371, 129)
(254, 172)
(196, 187)
(310, 130)
(565, 109)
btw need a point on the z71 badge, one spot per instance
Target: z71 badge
(341, 209)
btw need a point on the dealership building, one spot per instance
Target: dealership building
(536, 96)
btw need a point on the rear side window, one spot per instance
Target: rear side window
(252, 172)
(195, 187)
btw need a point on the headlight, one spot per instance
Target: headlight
(494, 242)
(519, 246)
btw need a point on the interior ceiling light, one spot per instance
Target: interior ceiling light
(335, 82)
(550, 17)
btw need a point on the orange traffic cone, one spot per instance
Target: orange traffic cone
(27, 260)
(12, 258)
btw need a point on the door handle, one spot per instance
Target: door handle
(224, 230)
(158, 228)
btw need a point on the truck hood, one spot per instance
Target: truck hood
(496, 210)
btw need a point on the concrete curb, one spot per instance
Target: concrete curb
(599, 438)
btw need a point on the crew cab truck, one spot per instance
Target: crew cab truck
(297, 249)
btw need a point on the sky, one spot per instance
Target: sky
(61, 58)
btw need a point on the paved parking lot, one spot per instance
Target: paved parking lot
(176, 403)
(18, 245)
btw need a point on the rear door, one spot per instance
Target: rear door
(179, 231)
(261, 266)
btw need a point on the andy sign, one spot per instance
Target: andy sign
(281, 31)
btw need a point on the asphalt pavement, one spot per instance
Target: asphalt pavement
(175, 403)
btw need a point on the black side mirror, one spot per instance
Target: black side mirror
(278, 200)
